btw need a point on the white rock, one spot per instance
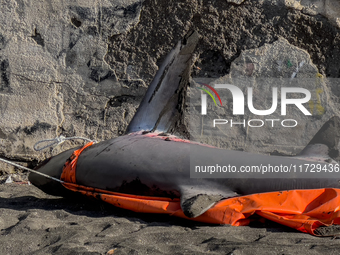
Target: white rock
(53, 74)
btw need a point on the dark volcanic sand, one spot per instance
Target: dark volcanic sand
(35, 223)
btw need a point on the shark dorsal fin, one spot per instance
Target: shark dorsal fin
(329, 135)
(324, 144)
(159, 109)
(315, 152)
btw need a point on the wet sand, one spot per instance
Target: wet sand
(35, 223)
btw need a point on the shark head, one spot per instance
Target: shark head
(52, 167)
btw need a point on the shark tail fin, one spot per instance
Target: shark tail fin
(325, 142)
(163, 102)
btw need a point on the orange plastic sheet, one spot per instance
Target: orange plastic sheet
(69, 170)
(304, 210)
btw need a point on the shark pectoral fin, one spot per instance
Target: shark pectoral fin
(197, 200)
(199, 204)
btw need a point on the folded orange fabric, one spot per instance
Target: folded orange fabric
(304, 210)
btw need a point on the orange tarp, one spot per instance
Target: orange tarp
(304, 210)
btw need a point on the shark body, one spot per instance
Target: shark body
(148, 162)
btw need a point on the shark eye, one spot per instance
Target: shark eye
(42, 163)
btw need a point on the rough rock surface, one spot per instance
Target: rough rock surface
(54, 78)
(277, 64)
(327, 8)
(76, 68)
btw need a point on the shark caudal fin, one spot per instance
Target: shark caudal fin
(324, 144)
(162, 104)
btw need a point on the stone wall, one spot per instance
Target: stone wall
(80, 68)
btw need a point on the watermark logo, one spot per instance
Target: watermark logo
(204, 97)
(238, 101)
(239, 105)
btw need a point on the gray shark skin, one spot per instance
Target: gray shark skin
(155, 164)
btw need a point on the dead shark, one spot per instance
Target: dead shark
(148, 161)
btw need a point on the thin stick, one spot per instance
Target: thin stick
(30, 170)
